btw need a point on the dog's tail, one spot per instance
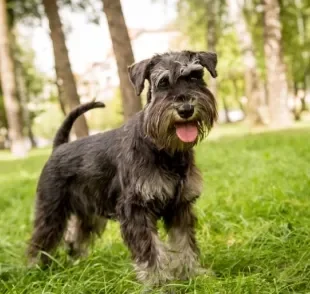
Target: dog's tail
(62, 135)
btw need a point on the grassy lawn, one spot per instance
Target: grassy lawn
(253, 230)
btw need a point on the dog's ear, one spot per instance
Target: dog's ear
(209, 61)
(138, 72)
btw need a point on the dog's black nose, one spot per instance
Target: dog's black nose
(186, 110)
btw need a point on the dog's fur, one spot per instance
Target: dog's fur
(136, 174)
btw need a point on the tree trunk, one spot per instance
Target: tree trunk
(226, 110)
(212, 36)
(253, 85)
(236, 95)
(277, 86)
(8, 82)
(65, 78)
(61, 99)
(303, 98)
(23, 95)
(297, 108)
(123, 54)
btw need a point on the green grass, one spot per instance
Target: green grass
(253, 230)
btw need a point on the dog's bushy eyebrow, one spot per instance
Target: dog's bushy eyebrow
(186, 70)
(180, 67)
(159, 74)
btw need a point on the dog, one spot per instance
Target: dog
(136, 174)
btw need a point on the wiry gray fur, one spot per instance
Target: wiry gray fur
(135, 174)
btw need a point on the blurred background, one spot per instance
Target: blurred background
(55, 55)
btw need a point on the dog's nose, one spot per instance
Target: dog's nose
(186, 110)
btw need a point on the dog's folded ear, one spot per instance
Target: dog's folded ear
(209, 61)
(138, 72)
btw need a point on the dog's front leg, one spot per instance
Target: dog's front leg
(138, 228)
(181, 230)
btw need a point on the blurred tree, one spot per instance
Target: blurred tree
(9, 87)
(212, 36)
(248, 22)
(23, 96)
(46, 123)
(231, 72)
(30, 82)
(123, 54)
(205, 24)
(65, 78)
(253, 85)
(277, 86)
(3, 120)
(295, 16)
(109, 117)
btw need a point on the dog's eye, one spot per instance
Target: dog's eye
(163, 83)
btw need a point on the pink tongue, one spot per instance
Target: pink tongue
(187, 132)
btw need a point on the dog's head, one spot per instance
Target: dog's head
(180, 109)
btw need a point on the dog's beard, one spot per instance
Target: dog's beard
(162, 122)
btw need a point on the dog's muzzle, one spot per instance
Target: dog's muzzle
(186, 129)
(185, 111)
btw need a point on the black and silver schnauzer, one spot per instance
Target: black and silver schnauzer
(137, 174)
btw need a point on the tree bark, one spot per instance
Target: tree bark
(65, 78)
(212, 35)
(277, 86)
(253, 86)
(304, 106)
(297, 108)
(23, 95)
(61, 99)
(123, 54)
(9, 88)
(226, 110)
(236, 95)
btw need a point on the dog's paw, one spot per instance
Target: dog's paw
(32, 263)
(197, 271)
(155, 275)
(201, 271)
(75, 251)
(187, 266)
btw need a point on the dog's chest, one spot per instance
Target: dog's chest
(163, 181)
(159, 184)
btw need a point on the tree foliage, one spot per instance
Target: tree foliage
(192, 20)
(295, 21)
(34, 79)
(295, 17)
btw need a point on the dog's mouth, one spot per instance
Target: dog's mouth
(187, 131)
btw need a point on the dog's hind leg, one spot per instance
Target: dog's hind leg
(79, 233)
(49, 225)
